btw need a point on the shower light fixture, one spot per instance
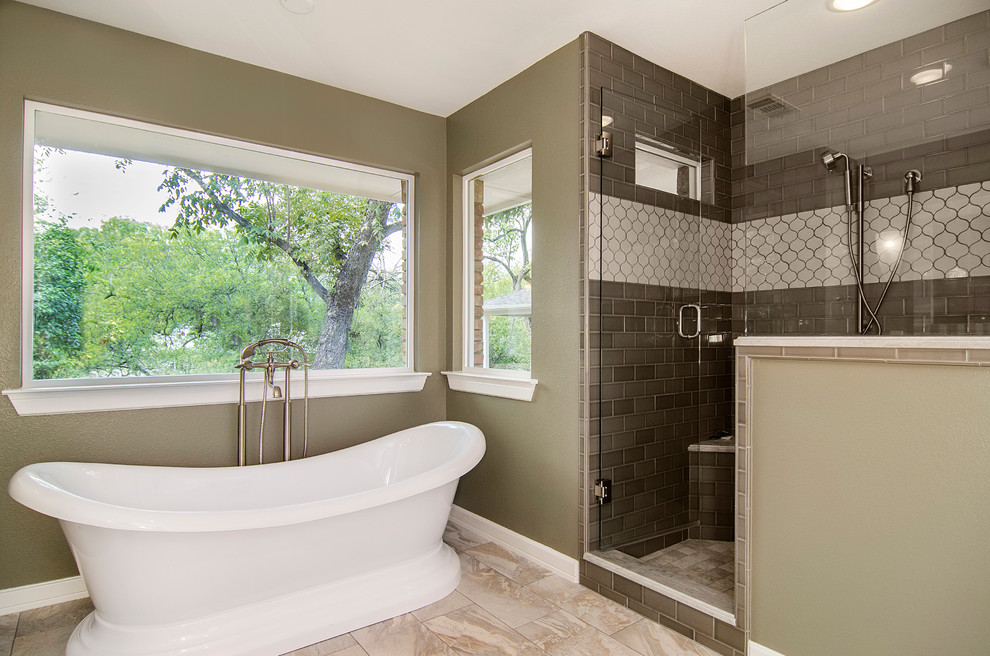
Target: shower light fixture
(298, 6)
(848, 5)
(933, 74)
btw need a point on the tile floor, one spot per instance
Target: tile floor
(708, 562)
(504, 605)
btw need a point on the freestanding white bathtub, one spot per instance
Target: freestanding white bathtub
(261, 559)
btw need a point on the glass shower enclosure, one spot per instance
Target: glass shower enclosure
(662, 377)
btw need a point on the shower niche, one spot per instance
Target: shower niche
(662, 363)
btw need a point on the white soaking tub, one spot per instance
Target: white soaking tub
(261, 559)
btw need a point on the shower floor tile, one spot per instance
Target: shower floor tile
(537, 613)
(710, 563)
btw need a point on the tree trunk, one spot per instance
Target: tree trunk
(343, 299)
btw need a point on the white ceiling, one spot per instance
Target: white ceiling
(438, 55)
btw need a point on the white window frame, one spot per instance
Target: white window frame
(505, 383)
(37, 397)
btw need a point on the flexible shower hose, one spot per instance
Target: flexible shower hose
(893, 271)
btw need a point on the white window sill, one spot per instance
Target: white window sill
(492, 384)
(89, 397)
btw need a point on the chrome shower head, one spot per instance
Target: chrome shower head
(830, 159)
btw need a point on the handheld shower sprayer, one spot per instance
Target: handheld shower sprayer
(830, 160)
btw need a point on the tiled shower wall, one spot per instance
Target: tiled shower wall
(864, 106)
(791, 262)
(641, 299)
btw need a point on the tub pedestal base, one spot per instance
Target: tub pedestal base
(285, 623)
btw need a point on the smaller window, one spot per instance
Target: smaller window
(498, 213)
(498, 281)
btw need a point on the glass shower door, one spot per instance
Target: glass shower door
(647, 236)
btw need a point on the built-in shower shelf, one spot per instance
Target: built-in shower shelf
(718, 445)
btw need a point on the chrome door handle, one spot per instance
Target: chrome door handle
(697, 324)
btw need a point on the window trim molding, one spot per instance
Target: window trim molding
(482, 380)
(100, 396)
(42, 396)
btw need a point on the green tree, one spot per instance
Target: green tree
(331, 238)
(506, 244)
(160, 304)
(59, 289)
(508, 252)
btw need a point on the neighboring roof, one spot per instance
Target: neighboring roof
(519, 303)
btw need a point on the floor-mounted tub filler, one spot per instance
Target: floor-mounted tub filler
(261, 559)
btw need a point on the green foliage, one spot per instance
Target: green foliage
(130, 299)
(244, 260)
(59, 287)
(510, 343)
(507, 250)
(376, 333)
(508, 268)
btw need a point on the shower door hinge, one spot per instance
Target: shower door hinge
(603, 490)
(603, 145)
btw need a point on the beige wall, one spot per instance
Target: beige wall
(871, 494)
(528, 480)
(54, 58)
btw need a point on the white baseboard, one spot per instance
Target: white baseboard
(759, 650)
(552, 560)
(26, 597)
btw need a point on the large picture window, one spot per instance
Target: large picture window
(156, 252)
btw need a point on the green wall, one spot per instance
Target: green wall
(54, 58)
(871, 491)
(528, 480)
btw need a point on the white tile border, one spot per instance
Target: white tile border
(552, 560)
(759, 650)
(36, 595)
(875, 341)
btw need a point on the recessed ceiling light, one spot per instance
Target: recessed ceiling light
(298, 6)
(931, 74)
(848, 5)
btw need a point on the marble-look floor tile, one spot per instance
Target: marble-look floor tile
(351, 651)
(39, 620)
(400, 636)
(326, 647)
(43, 643)
(603, 614)
(499, 595)
(502, 560)
(652, 639)
(461, 539)
(8, 627)
(475, 632)
(450, 603)
(562, 634)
